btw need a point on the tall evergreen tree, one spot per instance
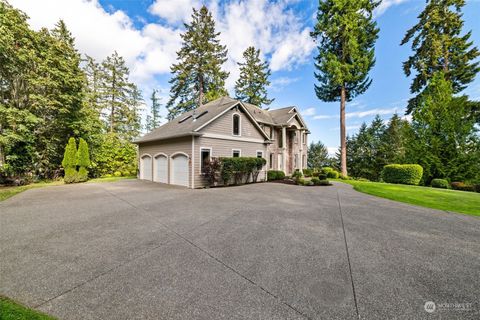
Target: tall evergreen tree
(57, 96)
(197, 77)
(346, 35)
(153, 119)
(120, 98)
(252, 84)
(438, 45)
(317, 155)
(394, 140)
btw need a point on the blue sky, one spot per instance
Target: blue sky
(146, 33)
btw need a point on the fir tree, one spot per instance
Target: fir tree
(120, 98)
(437, 45)
(153, 119)
(317, 155)
(69, 162)
(82, 160)
(252, 84)
(346, 35)
(197, 77)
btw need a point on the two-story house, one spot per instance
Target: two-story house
(175, 152)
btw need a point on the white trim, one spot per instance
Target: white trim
(234, 138)
(160, 154)
(239, 152)
(180, 153)
(192, 168)
(239, 124)
(211, 155)
(145, 154)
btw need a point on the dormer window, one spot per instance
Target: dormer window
(236, 125)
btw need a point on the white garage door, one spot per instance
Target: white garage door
(161, 169)
(180, 170)
(146, 168)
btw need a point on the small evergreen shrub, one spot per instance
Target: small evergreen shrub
(326, 170)
(332, 174)
(402, 173)
(275, 175)
(462, 186)
(439, 183)
(323, 183)
(82, 174)
(82, 160)
(117, 174)
(69, 162)
(307, 172)
(297, 174)
(320, 175)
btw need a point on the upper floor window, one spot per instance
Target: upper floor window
(236, 125)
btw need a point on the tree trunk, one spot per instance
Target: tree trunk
(112, 112)
(200, 91)
(343, 139)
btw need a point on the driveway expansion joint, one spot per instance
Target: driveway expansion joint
(348, 255)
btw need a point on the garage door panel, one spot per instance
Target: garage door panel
(180, 170)
(161, 169)
(146, 168)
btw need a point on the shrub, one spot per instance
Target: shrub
(344, 177)
(82, 160)
(326, 170)
(307, 172)
(462, 186)
(402, 173)
(297, 174)
(323, 183)
(320, 175)
(275, 175)
(117, 174)
(113, 154)
(126, 173)
(69, 162)
(332, 174)
(440, 183)
(212, 170)
(241, 169)
(71, 175)
(82, 174)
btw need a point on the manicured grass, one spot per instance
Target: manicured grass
(10, 310)
(7, 192)
(449, 200)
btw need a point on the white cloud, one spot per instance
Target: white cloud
(384, 5)
(150, 50)
(358, 114)
(174, 11)
(308, 112)
(332, 151)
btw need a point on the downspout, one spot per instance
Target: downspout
(193, 162)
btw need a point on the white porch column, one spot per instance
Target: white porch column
(300, 150)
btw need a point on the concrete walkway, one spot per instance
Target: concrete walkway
(139, 250)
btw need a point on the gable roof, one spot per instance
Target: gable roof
(189, 123)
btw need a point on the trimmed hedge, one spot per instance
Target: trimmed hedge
(275, 175)
(439, 183)
(318, 182)
(333, 174)
(402, 173)
(241, 169)
(307, 172)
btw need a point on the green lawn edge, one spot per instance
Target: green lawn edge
(8, 192)
(441, 199)
(11, 310)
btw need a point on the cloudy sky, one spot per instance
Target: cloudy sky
(147, 34)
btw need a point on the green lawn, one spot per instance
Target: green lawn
(442, 199)
(7, 192)
(10, 310)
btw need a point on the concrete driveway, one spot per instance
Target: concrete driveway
(139, 250)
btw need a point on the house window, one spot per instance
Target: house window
(236, 153)
(295, 137)
(280, 162)
(280, 139)
(304, 162)
(205, 157)
(295, 162)
(271, 161)
(303, 138)
(259, 154)
(236, 125)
